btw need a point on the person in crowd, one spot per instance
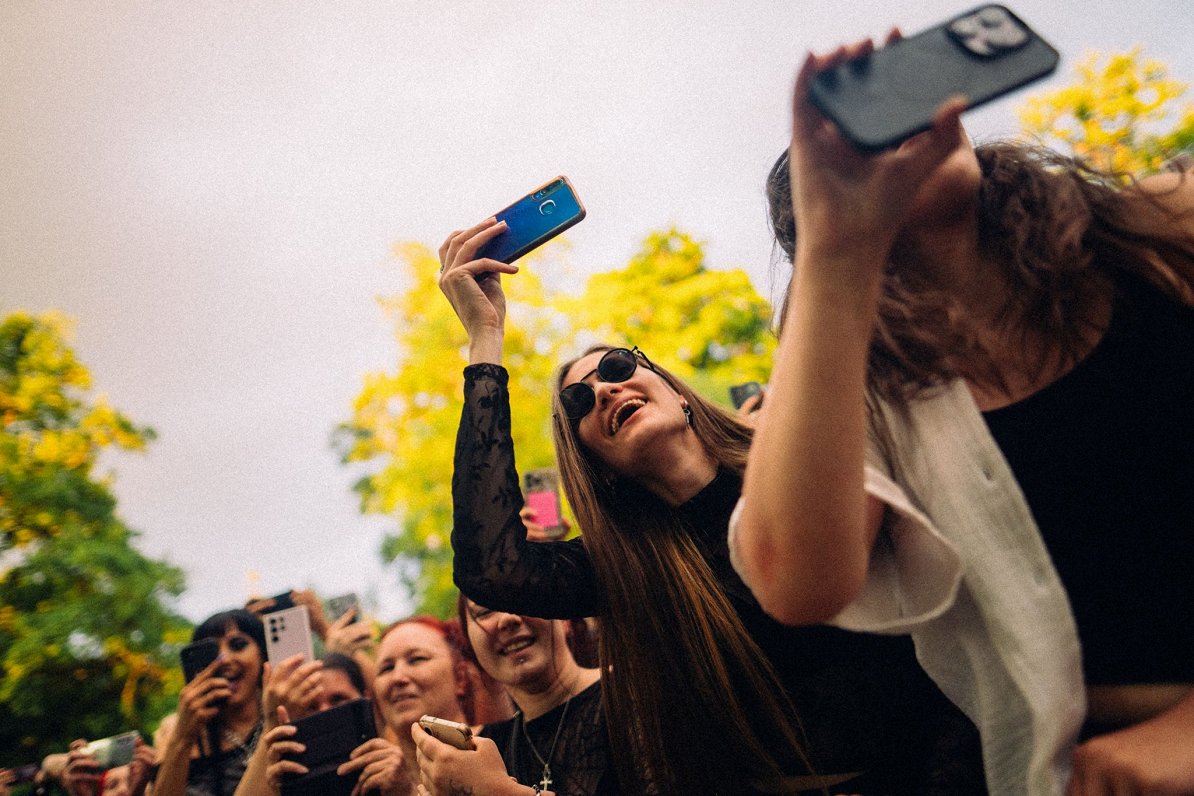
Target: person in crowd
(704, 693)
(219, 717)
(419, 671)
(981, 420)
(557, 740)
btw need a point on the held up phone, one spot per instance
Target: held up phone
(341, 604)
(740, 392)
(26, 773)
(453, 733)
(890, 95)
(288, 633)
(198, 656)
(330, 736)
(281, 602)
(535, 219)
(114, 751)
(542, 489)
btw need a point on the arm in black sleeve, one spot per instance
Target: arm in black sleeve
(493, 562)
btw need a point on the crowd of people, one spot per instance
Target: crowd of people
(950, 553)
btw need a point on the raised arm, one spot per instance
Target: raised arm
(494, 563)
(806, 526)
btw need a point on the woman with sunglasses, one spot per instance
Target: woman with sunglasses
(704, 693)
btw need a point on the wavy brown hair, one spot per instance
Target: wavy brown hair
(692, 702)
(1061, 229)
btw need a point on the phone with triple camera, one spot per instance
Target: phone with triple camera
(329, 737)
(114, 751)
(534, 220)
(883, 98)
(198, 656)
(453, 733)
(739, 393)
(288, 633)
(542, 488)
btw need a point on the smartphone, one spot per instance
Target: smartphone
(535, 219)
(453, 733)
(542, 488)
(287, 633)
(23, 774)
(890, 95)
(330, 736)
(281, 602)
(114, 751)
(198, 656)
(341, 604)
(740, 392)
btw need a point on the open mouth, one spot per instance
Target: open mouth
(623, 412)
(517, 645)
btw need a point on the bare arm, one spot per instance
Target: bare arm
(805, 511)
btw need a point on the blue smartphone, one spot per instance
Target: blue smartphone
(535, 219)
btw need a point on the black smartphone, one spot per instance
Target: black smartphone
(198, 656)
(542, 489)
(23, 774)
(341, 604)
(740, 392)
(281, 602)
(890, 95)
(330, 736)
(535, 219)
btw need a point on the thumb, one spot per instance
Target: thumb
(283, 715)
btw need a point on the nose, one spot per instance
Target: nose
(506, 620)
(606, 391)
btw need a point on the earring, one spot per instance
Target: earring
(688, 415)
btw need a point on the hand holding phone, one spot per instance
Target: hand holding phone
(882, 98)
(534, 219)
(198, 656)
(543, 498)
(288, 633)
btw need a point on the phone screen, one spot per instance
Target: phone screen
(546, 508)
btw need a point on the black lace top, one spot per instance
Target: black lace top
(579, 760)
(863, 701)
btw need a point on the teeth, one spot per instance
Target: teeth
(615, 422)
(517, 646)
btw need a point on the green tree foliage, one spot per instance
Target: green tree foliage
(87, 643)
(1123, 113)
(710, 327)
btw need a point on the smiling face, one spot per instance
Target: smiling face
(242, 665)
(417, 674)
(628, 417)
(521, 652)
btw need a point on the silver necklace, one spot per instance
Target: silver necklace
(545, 781)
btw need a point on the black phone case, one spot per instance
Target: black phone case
(740, 392)
(281, 603)
(882, 99)
(198, 656)
(330, 736)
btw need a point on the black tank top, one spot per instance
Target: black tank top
(1105, 457)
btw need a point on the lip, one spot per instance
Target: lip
(523, 641)
(617, 408)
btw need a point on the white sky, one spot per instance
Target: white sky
(211, 190)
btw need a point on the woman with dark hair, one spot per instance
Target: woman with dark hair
(982, 417)
(703, 692)
(556, 741)
(219, 713)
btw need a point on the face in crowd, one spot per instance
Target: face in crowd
(518, 651)
(418, 672)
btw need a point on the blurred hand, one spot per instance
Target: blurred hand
(141, 768)
(1153, 757)
(319, 620)
(749, 411)
(294, 684)
(382, 769)
(278, 742)
(347, 636)
(81, 777)
(200, 700)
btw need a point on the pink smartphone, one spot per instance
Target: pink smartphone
(543, 497)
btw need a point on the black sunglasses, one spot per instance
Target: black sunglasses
(617, 365)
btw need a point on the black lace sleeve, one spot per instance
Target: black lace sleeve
(493, 562)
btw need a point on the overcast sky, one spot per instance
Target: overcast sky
(211, 190)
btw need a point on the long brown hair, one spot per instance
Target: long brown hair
(692, 703)
(1061, 228)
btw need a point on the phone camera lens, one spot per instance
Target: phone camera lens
(548, 207)
(1006, 36)
(993, 16)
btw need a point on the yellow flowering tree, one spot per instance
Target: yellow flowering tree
(1123, 113)
(86, 643)
(708, 326)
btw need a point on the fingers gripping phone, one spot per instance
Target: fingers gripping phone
(341, 604)
(453, 733)
(329, 736)
(542, 488)
(288, 633)
(739, 393)
(883, 98)
(114, 751)
(535, 219)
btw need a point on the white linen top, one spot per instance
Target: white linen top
(961, 566)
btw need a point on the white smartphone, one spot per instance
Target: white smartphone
(453, 733)
(287, 633)
(114, 751)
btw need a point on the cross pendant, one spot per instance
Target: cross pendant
(545, 783)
